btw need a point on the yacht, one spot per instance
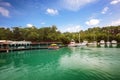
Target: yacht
(114, 43)
(72, 44)
(92, 44)
(83, 44)
(108, 43)
(102, 43)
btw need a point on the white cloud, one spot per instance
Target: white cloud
(115, 23)
(30, 25)
(4, 12)
(5, 4)
(113, 2)
(105, 10)
(52, 11)
(75, 5)
(93, 22)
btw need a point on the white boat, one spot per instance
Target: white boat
(102, 43)
(82, 45)
(108, 43)
(92, 44)
(114, 43)
(72, 44)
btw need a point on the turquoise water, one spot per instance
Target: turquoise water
(63, 64)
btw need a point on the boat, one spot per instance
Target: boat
(53, 47)
(72, 44)
(102, 43)
(114, 43)
(83, 44)
(108, 43)
(93, 44)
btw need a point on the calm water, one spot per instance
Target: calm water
(63, 64)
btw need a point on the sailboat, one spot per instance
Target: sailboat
(83, 44)
(102, 43)
(72, 43)
(108, 42)
(114, 43)
(94, 43)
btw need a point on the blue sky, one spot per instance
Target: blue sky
(67, 15)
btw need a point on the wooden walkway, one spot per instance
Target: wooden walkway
(32, 46)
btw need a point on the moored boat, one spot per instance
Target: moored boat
(93, 44)
(102, 43)
(108, 43)
(53, 47)
(82, 45)
(114, 43)
(72, 44)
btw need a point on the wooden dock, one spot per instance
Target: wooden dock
(7, 47)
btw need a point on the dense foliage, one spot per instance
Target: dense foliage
(49, 34)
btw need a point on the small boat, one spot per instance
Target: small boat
(84, 43)
(93, 44)
(53, 47)
(102, 43)
(108, 43)
(114, 43)
(72, 44)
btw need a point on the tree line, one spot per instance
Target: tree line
(52, 34)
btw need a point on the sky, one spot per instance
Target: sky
(67, 15)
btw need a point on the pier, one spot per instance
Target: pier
(7, 46)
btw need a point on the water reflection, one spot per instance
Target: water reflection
(64, 64)
(13, 57)
(100, 62)
(79, 59)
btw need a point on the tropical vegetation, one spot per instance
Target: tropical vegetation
(50, 34)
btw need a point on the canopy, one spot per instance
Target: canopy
(53, 44)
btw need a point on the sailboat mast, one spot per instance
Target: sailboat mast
(108, 35)
(79, 37)
(94, 35)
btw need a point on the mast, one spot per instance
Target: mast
(79, 37)
(108, 35)
(94, 35)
